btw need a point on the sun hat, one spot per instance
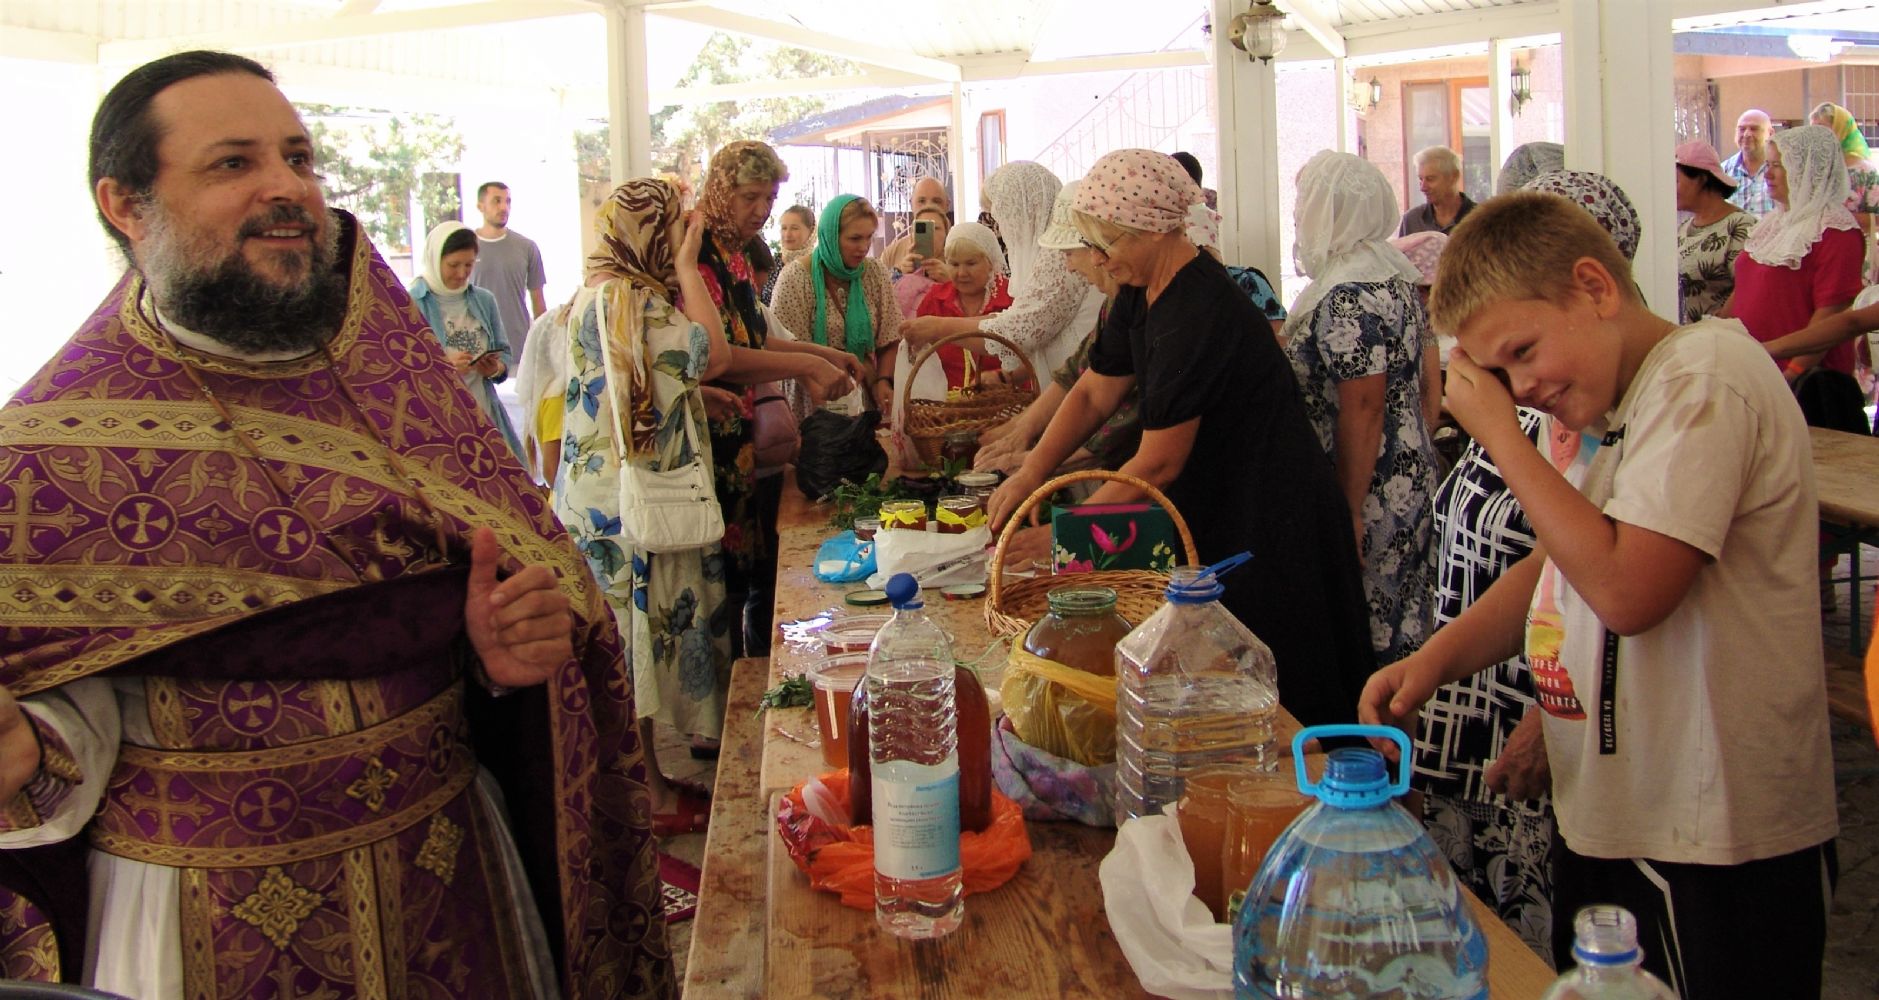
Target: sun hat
(1697, 155)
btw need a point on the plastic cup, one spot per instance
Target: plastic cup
(835, 679)
(1260, 805)
(1202, 813)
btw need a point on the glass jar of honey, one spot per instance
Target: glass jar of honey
(960, 446)
(1081, 630)
(978, 484)
(865, 527)
(959, 513)
(908, 515)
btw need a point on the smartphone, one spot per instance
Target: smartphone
(923, 238)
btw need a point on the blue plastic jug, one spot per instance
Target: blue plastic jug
(1354, 901)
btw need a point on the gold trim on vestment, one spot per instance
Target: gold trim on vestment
(391, 919)
(166, 765)
(447, 704)
(191, 425)
(63, 596)
(196, 908)
(362, 882)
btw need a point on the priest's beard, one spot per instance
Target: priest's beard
(220, 295)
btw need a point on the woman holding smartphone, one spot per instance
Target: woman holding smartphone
(465, 320)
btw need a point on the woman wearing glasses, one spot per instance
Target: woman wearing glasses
(1224, 432)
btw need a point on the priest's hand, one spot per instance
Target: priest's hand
(521, 627)
(19, 747)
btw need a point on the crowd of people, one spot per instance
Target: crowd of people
(429, 722)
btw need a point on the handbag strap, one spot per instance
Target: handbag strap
(613, 391)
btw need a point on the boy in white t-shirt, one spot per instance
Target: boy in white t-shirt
(1670, 610)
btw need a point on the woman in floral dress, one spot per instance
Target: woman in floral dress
(1356, 340)
(634, 400)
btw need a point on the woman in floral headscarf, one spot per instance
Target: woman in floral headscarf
(1356, 339)
(739, 190)
(1223, 432)
(635, 362)
(1051, 308)
(1861, 175)
(1802, 263)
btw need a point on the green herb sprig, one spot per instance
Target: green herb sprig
(794, 692)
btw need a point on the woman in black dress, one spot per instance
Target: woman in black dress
(1224, 433)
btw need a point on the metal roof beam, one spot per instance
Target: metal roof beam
(1310, 19)
(332, 29)
(985, 69)
(1762, 10)
(755, 89)
(1429, 31)
(815, 41)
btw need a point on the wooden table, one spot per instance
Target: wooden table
(1846, 479)
(762, 932)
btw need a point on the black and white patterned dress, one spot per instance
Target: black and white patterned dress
(1498, 846)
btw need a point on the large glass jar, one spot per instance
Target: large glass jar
(1079, 633)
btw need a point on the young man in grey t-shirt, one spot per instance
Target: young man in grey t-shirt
(509, 265)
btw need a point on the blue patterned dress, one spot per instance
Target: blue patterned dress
(1357, 330)
(666, 604)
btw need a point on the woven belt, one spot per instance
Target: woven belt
(242, 808)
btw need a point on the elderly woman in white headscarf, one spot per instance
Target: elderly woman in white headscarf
(1356, 339)
(976, 289)
(1223, 432)
(1802, 263)
(1527, 161)
(1051, 308)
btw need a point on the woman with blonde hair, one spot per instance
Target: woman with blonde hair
(635, 361)
(1227, 440)
(796, 233)
(1861, 175)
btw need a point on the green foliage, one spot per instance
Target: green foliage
(795, 692)
(863, 499)
(683, 137)
(375, 160)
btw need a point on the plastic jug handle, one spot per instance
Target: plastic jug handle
(1306, 785)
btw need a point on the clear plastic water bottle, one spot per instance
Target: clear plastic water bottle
(913, 748)
(1605, 943)
(1194, 688)
(1354, 900)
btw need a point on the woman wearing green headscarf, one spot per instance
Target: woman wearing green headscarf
(1861, 175)
(840, 296)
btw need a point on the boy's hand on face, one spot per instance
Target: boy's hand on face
(1479, 401)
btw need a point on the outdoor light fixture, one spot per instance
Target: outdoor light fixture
(1520, 84)
(1364, 96)
(1260, 32)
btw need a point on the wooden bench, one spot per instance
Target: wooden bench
(1846, 688)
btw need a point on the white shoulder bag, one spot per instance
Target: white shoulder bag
(661, 511)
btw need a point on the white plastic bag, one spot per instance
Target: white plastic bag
(934, 558)
(1166, 933)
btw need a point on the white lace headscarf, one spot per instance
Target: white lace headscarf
(1817, 194)
(1021, 193)
(1345, 216)
(982, 239)
(1051, 308)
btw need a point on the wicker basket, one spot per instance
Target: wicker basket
(1011, 608)
(930, 420)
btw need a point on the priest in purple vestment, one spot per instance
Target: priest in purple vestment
(303, 690)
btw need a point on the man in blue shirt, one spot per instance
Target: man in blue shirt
(1749, 165)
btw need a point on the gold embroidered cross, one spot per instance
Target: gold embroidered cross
(165, 807)
(21, 521)
(277, 906)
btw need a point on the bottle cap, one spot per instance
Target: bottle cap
(865, 598)
(1198, 587)
(903, 591)
(1605, 935)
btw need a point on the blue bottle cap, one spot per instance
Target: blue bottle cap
(1354, 777)
(903, 591)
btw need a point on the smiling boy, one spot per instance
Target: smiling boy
(1669, 610)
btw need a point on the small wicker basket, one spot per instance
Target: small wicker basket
(930, 420)
(1011, 608)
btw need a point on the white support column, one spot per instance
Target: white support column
(1620, 121)
(1346, 134)
(1246, 99)
(1500, 104)
(957, 145)
(629, 97)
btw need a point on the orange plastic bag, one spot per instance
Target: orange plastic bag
(840, 859)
